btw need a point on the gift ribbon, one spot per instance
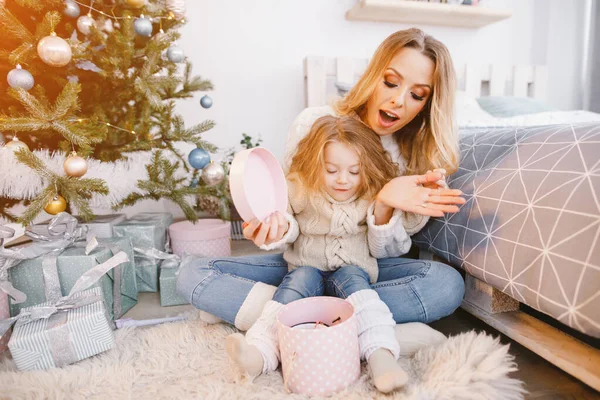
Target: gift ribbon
(55, 242)
(63, 232)
(60, 344)
(169, 260)
(153, 218)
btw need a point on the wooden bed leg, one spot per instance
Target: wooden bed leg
(489, 299)
(500, 311)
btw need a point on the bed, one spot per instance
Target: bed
(530, 230)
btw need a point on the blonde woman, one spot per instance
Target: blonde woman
(406, 97)
(339, 168)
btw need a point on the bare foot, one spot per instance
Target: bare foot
(209, 318)
(247, 357)
(387, 374)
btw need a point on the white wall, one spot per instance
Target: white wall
(253, 52)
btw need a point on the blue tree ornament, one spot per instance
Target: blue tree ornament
(206, 102)
(199, 158)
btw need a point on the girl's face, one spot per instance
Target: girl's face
(342, 171)
(402, 93)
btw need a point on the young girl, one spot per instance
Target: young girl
(335, 174)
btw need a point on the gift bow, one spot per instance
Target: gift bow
(70, 301)
(63, 232)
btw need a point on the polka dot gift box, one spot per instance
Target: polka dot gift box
(207, 238)
(318, 340)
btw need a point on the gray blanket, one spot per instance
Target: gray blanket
(531, 224)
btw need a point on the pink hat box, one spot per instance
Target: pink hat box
(318, 341)
(257, 184)
(207, 238)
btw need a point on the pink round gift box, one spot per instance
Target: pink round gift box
(318, 359)
(207, 238)
(257, 184)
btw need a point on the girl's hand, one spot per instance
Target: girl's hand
(407, 194)
(272, 230)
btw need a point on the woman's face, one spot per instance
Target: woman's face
(402, 92)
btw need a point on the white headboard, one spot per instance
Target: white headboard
(324, 76)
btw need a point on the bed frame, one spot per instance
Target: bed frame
(327, 78)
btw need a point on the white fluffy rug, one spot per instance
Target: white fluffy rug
(187, 360)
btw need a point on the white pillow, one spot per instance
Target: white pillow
(468, 112)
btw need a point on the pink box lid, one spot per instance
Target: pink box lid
(203, 229)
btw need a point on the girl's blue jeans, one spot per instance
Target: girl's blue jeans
(304, 282)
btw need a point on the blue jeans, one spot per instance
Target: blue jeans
(414, 290)
(305, 282)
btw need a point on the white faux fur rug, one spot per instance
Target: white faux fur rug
(186, 360)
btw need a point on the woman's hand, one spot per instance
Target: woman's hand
(407, 194)
(439, 184)
(272, 230)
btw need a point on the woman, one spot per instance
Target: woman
(406, 97)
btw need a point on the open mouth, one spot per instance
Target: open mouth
(387, 118)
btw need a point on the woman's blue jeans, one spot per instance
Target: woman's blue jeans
(414, 290)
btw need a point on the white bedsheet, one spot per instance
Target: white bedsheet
(468, 120)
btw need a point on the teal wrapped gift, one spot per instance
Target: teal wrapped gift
(37, 282)
(67, 336)
(168, 288)
(147, 231)
(146, 272)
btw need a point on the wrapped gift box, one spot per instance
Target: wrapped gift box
(207, 238)
(146, 271)
(28, 276)
(168, 288)
(147, 231)
(101, 226)
(64, 338)
(4, 313)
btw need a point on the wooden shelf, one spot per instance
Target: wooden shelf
(420, 12)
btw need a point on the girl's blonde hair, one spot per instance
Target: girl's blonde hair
(376, 166)
(430, 140)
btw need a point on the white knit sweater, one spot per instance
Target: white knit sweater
(327, 234)
(411, 222)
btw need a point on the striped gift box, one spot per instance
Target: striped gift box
(4, 313)
(87, 332)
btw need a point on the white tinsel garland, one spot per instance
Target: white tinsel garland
(19, 181)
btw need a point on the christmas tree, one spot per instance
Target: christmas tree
(88, 116)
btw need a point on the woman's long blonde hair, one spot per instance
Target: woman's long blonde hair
(430, 140)
(376, 166)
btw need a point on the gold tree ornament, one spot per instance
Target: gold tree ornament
(15, 144)
(75, 165)
(54, 51)
(135, 3)
(177, 7)
(56, 205)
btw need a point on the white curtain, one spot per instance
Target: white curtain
(591, 81)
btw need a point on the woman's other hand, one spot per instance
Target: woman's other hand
(411, 194)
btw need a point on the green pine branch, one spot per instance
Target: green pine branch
(59, 118)
(76, 191)
(162, 183)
